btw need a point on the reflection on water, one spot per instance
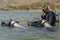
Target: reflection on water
(29, 33)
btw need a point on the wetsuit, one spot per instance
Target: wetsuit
(50, 17)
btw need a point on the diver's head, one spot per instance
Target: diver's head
(45, 10)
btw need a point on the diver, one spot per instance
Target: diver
(49, 16)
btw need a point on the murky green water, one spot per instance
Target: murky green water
(29, 33)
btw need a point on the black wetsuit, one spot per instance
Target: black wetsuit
(50, 17)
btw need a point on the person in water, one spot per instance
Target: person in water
(49, 16)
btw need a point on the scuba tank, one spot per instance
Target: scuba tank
(46, 24)
(15, 24)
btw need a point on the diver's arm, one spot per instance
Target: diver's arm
(43, 15)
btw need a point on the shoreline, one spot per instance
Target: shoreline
(24, 11)
(20, 11)
(38, 10)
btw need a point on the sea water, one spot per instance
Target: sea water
(28, 33)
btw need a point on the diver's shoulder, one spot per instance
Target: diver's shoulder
(51, 12)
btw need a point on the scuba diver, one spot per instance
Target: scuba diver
(9, 23)
(6, 22)
(48, 19)
(49, 16)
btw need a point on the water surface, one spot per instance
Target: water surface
(30, 33)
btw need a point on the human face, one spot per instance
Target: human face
(45, 10)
